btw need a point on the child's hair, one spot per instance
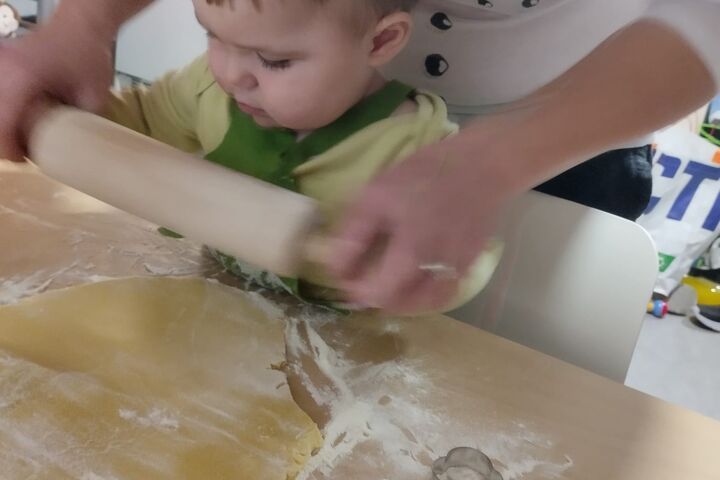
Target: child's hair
(379, 7)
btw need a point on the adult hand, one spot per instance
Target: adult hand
(439, 206)
(69, 64)
(69, 60)
(417, 229)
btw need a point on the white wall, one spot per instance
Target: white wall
(164, 37)
(25, 7)
(30, 7)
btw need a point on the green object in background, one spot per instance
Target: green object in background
(711, 133)
(166, 232)
(665, 261)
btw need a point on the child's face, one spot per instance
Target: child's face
(291, 64)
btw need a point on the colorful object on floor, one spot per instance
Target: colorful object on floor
(708, 291)
(658, 308)
(707, 310)
(708, 316)
(712, 274)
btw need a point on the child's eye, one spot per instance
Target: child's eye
(273, 64)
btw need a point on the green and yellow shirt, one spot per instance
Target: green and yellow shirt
(188, 110)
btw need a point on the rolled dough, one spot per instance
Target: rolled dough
(147, 378)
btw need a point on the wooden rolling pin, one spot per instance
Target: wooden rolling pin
(257, 222)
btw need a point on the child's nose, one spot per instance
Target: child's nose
(241, 76)
(245, 81)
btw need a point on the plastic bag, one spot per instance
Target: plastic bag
(683, 216)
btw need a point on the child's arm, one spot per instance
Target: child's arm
(166, 110)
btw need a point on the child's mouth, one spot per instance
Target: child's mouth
(253, 111)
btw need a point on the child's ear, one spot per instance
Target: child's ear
(390, 36)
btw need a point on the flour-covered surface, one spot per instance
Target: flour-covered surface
(383, 407)
(391, 416)
(147, 378)
(53, 236)
(391, 395)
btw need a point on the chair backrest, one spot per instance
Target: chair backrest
(574, 283)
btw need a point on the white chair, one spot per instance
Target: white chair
(574, 283)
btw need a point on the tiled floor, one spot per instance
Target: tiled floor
(678, 361)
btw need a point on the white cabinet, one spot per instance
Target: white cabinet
(25, 7)
(163, 37)
(42, 8)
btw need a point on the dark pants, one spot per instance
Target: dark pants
(618, 182)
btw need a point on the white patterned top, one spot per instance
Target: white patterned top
(481, 55)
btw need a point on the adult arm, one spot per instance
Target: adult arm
(68, 60)
(440, 206)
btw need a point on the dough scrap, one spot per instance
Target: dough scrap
(147, 378)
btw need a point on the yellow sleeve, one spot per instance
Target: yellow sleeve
(168, 109)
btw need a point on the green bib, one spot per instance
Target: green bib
(272, 154)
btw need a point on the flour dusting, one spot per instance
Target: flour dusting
(532, 465)
(11, 291)
(169, 271)
(155, 419)
(28, 217)
(94, 476)
(14, 289)
(402, 425)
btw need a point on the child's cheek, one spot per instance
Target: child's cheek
(216, 62)
(286, 112)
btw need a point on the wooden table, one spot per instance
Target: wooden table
(430, 383)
